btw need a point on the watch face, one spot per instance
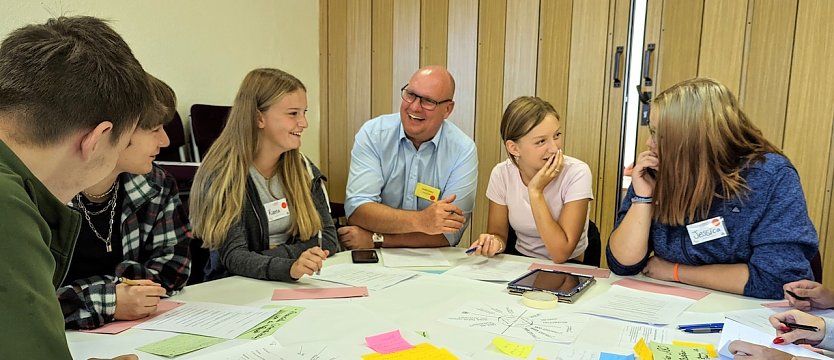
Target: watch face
(377, 238)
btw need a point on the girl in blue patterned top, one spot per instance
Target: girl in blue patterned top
(712, 202)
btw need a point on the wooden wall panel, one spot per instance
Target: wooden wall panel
(434, 23)
(722, 41)
(462, 61)
(583, 119)
(337, 101)
(811, 111)
(406, 45)
(358, 67)
(489, 100)
(382, 58)
(554, 53)
(679, 43)
(520, 49)
(606, 183)
(323, 85)
(764, 96)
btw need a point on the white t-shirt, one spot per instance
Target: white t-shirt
(506, 188)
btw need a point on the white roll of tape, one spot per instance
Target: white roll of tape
(539, 300)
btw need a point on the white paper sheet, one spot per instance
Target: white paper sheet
(374, 278)
(637, 306)
(263, 349)
(486, 269)
(405, 257)
(734, 330)
(519, 322)
(208, 319)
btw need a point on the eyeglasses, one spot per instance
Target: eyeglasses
(425, 102)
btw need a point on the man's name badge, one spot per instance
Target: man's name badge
(277, 209)
(427, 192)
(706, 230)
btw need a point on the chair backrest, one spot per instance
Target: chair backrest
(176, 151)
(207, 122)
(183, 173)
(816, 267)
(592, 252)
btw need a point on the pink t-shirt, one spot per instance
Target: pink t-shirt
(506, 188)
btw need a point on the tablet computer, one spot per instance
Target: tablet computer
(566, 286)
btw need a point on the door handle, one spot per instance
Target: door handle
(647, 57)
(618, 56)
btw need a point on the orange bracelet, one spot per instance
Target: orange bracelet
(675, 273)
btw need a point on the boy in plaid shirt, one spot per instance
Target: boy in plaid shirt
(134, 226)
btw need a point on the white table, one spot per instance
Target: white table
(411, 306)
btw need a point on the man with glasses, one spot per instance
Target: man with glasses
(413, 175)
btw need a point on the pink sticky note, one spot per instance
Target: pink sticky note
(595, 272)
(778, 304)
(319, 293)
(388, 342)
(661, 289)
(119, 326)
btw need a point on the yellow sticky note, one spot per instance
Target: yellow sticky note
(642, 350)
(427, 192)
(708, 347)
(419, 351)
(511, 348)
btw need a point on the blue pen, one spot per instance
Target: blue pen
(701, 326)
(471, 250)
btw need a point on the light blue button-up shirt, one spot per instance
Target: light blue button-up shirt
(385, 168)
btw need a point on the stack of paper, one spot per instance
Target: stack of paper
(486, 269)
(638, 306)
(209, 319)
(406, 257)
(357, 275)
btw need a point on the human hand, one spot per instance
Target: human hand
(308, 262)
(746, 350)
(441, 217)
(818, 296)
(551, 170)
(787, 335)
(643, 174)
(137, 301)
(355, 237)
(660, 269)
(487, 245)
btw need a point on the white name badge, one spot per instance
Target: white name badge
(277, 209)
(707, 230)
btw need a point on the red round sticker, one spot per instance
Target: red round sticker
(716, 222)
(431, 197)
(284, 205)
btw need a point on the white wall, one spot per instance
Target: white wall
(203, 48)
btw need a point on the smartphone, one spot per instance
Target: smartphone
(364, 256)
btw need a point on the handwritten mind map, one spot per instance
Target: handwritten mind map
(518, 322)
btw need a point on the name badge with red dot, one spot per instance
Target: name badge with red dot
(427, 192)
(277, 209)
(706, 230)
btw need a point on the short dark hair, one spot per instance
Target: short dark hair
(69, 75)
(161, 110)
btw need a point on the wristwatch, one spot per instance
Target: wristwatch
(378, 239)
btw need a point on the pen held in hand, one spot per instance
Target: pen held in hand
(795, 296)
(800, 326)
(471, 250)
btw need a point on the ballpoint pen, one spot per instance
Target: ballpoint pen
(800, 326)
(701, 326)
(318, 272)
(702, 330)
(795, 296)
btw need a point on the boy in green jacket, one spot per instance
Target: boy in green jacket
(71, 92)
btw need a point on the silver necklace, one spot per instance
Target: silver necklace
(112, 205)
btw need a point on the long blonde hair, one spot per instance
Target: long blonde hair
(704, 141)
(219, 188)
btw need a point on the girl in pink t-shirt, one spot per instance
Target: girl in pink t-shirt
(539, 191)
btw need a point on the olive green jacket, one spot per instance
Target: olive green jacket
(37, 236)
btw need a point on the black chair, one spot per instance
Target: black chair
(183, 173)
(337, 212)
(207, 122)
(592, 252)
(816, 267)
(199, 259)
(176, 151)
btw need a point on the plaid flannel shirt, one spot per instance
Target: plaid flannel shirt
(155, 238)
